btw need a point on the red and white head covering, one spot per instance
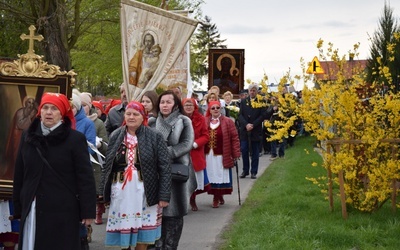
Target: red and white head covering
(138, 107)
(211, 104)
(192, 101)
(61, 102)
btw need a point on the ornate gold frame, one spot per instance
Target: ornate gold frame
(27, 76)
(236, 70)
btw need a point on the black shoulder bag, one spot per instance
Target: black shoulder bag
(179, 172)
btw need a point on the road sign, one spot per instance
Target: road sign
(315, 67)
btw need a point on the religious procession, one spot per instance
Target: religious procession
(96, 156)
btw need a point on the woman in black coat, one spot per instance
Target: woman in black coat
(53, 198)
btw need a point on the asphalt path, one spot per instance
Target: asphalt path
(202, 229)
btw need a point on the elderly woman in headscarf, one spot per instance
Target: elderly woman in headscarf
(54, 189)
(201, 138)
(222, 151)
(136, 181)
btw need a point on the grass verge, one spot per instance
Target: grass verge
(285, 211)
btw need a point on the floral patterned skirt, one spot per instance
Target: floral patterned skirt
(130, 221)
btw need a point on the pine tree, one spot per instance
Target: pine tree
(206, 37)
(382, 38)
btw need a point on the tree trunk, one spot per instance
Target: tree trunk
(53, 26)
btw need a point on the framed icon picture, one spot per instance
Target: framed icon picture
(226, 69)
(20, 100)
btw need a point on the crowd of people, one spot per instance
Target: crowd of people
(77, 158)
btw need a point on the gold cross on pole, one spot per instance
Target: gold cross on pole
(31, 38)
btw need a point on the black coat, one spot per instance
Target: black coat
(58, 211)
(255, 116)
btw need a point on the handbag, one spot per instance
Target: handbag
(179, 172)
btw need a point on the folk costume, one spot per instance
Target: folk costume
(221, 151)
(136, 177)
(9, 228)
(53, 197)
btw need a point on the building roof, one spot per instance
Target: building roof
(350, 68)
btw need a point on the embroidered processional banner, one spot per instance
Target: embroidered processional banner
(152, 41)
(179, 74)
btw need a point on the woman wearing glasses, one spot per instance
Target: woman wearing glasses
(197, 153)
(221, 151)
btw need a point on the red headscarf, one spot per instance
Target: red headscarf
(210, 104)
(192, 101)
(61, 102)
(98, 105)
(196, 121)
(138, 107)
(112, 104)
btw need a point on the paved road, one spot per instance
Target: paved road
(201, 228)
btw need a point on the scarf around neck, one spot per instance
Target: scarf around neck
(166, 125)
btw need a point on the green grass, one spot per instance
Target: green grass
(286, 211)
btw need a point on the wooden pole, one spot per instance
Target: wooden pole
(330, 180)
(394, 181)
(342, 194)
(341, 187)
(337, 142)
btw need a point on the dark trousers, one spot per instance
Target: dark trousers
(281, 150)
(255, 155)
(266, 144)
(171, 231)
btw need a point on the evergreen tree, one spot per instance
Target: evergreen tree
(382, 38)
(205, 37)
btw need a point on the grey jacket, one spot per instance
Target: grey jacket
(154, 161)
(178, 132)
(115, 118)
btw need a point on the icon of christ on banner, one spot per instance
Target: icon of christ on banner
(152, 41)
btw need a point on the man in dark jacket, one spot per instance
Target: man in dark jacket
(116, 115)
(251, 115)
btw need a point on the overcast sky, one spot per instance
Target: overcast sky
(277, 33)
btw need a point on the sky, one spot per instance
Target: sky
(275, 34)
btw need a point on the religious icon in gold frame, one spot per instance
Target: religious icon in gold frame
(226, 69)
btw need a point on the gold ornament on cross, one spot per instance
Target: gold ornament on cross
(31, 38)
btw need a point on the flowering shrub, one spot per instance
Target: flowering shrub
(365, 119)
(258, 102)
(287, 103)
(360, 115)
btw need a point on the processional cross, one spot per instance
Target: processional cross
(31, 38)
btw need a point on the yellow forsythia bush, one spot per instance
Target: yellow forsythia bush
(365, 117)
